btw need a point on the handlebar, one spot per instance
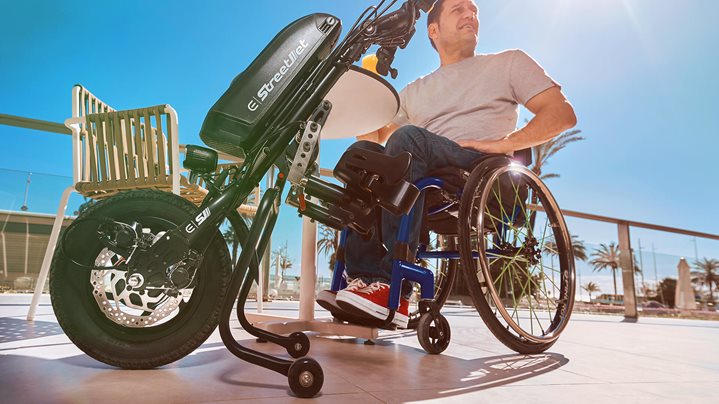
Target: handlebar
(402, 20)
(390, 31)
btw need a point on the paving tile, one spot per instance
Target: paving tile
(597, 359)
(557, 394)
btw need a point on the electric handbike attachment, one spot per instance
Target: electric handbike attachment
(142, 278)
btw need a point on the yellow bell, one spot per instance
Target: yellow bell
(369, 62)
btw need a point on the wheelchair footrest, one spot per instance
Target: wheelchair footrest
(364, 321)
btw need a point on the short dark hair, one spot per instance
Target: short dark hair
(433, 17)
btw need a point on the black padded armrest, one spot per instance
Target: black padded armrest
(524, 156)
(378, 178)
(356, 164)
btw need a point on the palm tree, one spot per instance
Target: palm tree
(230, 239)
(578, 248)
(328, 243)
(706, 275)
(607, 257)
(540, 156)
(282, 260)
(542, 152)
(591, 287)
(229, 234)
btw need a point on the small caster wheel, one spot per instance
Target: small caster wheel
(433, 333)
(369, 342)
(305, 377)
(300, 345)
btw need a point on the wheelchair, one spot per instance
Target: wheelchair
(498, 224)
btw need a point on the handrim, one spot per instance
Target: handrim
(563, 305)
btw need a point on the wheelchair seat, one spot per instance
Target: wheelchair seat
(444, 221)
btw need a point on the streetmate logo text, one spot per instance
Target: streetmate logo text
(193, 225)
(268, 87)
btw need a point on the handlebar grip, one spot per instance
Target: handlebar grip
(395, 21)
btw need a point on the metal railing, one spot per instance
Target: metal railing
(29, 123)
(623, 225)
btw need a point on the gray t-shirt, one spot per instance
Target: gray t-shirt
(475, 99)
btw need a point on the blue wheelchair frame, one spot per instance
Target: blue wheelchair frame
(402, 269)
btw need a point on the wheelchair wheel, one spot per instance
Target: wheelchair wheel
(444, 274)
(433, 333)
(517, 256)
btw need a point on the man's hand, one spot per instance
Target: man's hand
(502, 146)
(552, 115)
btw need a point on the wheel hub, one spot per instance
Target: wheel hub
(128, 305)
(306, 379)
(135, 281)
(530, 251)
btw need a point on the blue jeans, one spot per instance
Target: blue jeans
(369, 260)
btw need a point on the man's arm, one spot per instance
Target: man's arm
(553, 114)
(380, 135)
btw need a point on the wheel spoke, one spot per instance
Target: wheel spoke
(515, 251)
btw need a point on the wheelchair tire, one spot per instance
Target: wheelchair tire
(122, 327)
(443, 281)
(509, 278)
(433, 333)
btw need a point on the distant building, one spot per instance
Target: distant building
(608, 298)
(23, 240)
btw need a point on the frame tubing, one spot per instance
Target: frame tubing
(404, 270)
(338, 281)
(241, 281)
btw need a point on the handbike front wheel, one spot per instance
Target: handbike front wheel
(107, 315)
(517, 257)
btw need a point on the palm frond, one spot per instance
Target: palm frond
(544, 151)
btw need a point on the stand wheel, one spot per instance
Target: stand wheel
(433, 333)
(300, 345)
(305, 377)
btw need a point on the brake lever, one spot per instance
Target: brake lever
(425, 5)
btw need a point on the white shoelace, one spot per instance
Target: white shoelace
(374, 287)
(356, 284)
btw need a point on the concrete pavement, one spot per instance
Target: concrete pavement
(598, 359)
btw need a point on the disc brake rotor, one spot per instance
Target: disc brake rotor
(124, 305)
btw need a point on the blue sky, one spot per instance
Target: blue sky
(640, 73)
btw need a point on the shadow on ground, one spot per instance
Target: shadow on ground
(212, 373)
(15, 329)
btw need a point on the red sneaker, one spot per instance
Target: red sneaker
(373, 300)
(326, 298)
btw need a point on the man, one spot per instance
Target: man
(466, 108)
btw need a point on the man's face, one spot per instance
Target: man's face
(458, 26)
